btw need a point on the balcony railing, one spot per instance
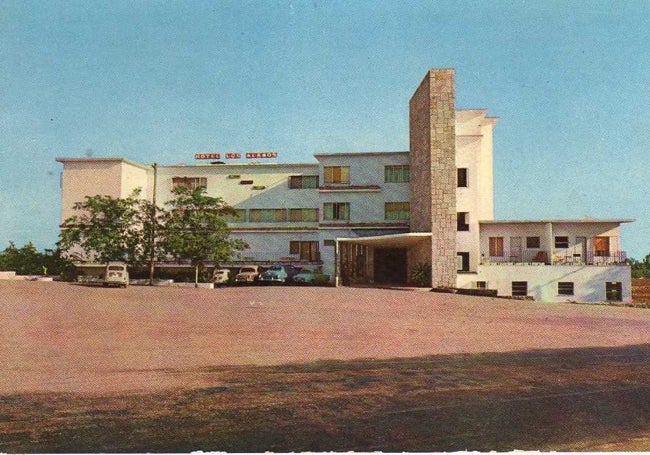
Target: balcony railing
(542, 257)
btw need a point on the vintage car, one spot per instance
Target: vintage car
(116, 274)
(247, 274)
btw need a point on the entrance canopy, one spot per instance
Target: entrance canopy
(388, 241)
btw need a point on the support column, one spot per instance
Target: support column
(433, 171)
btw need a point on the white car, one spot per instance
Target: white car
(220, 276)
(116, 274)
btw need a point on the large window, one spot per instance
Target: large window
(336, 174)
(303, 214)
(308, 251)
(519, 288)
(496, 246)
(191, 183)
(397, 210)
(267, 215)
(461, 179)
(297, 182)
(336, 211)
(462, 221)
(397, 173)
(601, 246)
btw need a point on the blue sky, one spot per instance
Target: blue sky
(161, 81)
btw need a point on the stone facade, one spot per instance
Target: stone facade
(433, 171)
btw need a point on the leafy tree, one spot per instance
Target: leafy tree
(195, 229)
(640, 269)
(109, 228)
(27, 260)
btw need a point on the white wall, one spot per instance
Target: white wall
(589, 281)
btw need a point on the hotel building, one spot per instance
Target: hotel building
(376, 217)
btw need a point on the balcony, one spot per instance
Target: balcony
(542, 257)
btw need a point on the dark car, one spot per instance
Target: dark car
(279, 273)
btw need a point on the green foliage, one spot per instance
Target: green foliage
(194, 228)
(109, 229)
(27, 260)
(640, 269)
(421, 275)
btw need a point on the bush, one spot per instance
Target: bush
(421, 275)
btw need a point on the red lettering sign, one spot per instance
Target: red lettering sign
(207, 156)
(256, 155)
(233, 155)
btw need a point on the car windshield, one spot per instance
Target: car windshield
(248, 270)
(220, 272)
(275, 267)
(115, 267)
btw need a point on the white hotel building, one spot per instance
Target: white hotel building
(374, 217)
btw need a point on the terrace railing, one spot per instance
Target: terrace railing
(542, 257)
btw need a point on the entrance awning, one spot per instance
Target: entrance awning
(388, 241)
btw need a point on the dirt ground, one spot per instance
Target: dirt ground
(298, 369)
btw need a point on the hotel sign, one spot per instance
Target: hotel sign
(235, 155)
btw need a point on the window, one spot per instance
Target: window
(613, 291)
(519, 288)
(565, 288)
(297, 182)
(462, 221)
(481, 285)
(397, 173)
(303, 214)
(190, 183)
(397, 210)
(496, 246)
(308, 251)
(462, 262)
(561, 242)
(336, 211)
(267, 215)
(336, 174)
(601, 246)
(238, 217)
(329, 242)
(461, 177)
(532, 242)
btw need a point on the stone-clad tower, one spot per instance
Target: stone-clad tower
(433, 171)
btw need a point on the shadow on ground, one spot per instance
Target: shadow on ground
(573, 399)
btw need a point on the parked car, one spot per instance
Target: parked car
(279, 273)
(116, 274)
(220, 277)
(311, 276)
(248, 274)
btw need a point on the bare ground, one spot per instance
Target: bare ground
(296, 369)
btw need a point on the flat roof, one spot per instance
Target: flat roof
(544, 221)
(360, 154)
(105, 160)
(389, 240)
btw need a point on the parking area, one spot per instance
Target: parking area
(63, 337)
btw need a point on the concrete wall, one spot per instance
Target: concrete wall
(589, 281)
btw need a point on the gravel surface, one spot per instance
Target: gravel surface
(62, 337)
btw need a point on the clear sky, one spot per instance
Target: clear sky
(161, 81)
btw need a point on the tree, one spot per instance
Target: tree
(195, 229)
(640, 269)
(110, 229)
(27, 260)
